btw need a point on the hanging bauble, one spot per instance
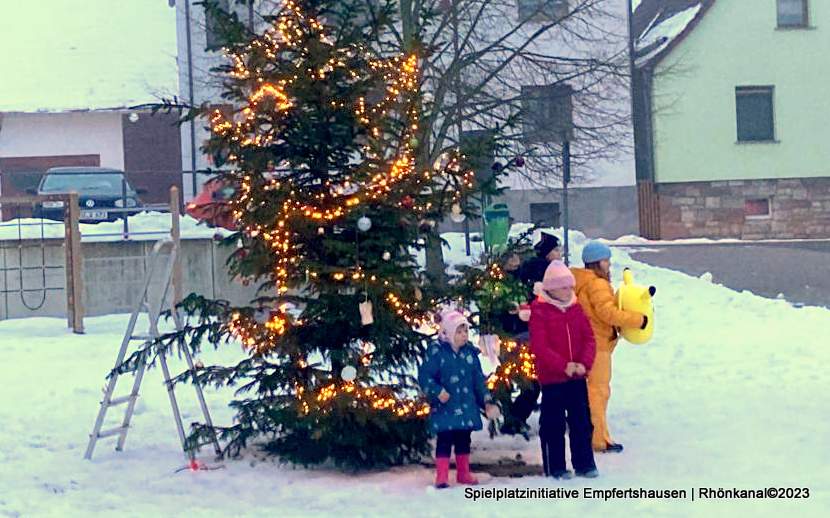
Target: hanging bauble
(348, 373)
(519, 161)
(408, 201)
(413, 142)
(497, 166)
(428, 97)
(321, 230)
(419, 295)
(364, 223)
(386, 255)
(456, 215)
(217, 236)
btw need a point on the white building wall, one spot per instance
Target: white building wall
(604, 38)
(56, 134)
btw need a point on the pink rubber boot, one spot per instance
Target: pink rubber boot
(463, 474)
(442, 472)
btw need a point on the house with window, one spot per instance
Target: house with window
(73, 91)
(557, 107)
(602, 195)
(730, 118)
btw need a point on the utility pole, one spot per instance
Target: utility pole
(566, 179)
(460, 126)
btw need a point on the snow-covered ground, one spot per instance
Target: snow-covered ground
(731, 393)
(142, 226)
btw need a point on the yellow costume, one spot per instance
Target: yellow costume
(597, 300)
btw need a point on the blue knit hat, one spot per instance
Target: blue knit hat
(594, 252)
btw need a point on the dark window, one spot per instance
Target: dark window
(542, 10)
(545, 214)
(754, 113)
(214, 28)
(792, 13)
(547, 113)
(758, 208)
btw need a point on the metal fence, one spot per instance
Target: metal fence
(42, 261)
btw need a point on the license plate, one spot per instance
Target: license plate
(53, 205)
(93, 214)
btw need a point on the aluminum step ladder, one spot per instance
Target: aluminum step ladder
(153, 304)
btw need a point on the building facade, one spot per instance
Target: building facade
(731, 120)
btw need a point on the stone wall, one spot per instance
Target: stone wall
(799, 209)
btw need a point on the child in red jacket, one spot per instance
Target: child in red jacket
(563, 343)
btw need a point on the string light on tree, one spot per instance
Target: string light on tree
(304, 202)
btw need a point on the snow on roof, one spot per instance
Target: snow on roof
(659, 36)
(63, 55)
(659, 23)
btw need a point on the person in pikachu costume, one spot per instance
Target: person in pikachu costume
(596, 296)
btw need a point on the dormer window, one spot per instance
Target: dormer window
(792, 13)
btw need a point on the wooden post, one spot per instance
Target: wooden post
(74, 265)
(176, 236)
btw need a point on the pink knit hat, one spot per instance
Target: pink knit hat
(557, 275)
(450, 321)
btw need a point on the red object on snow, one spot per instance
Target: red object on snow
(212, 205)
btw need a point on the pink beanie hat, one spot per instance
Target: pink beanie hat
(450, 321)
(557, 275)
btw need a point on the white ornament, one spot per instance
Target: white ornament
(348, 373)
(386, 256)
(364, 223)
(321, 230)
(456, 215)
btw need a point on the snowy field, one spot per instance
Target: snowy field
(731, 393)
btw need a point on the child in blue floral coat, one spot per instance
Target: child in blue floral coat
(452, 380)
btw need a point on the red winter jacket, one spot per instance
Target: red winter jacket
(558, 337)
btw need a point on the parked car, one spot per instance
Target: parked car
(100, 190)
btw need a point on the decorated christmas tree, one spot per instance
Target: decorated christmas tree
(332, 211)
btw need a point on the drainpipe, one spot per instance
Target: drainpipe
(190, 97)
